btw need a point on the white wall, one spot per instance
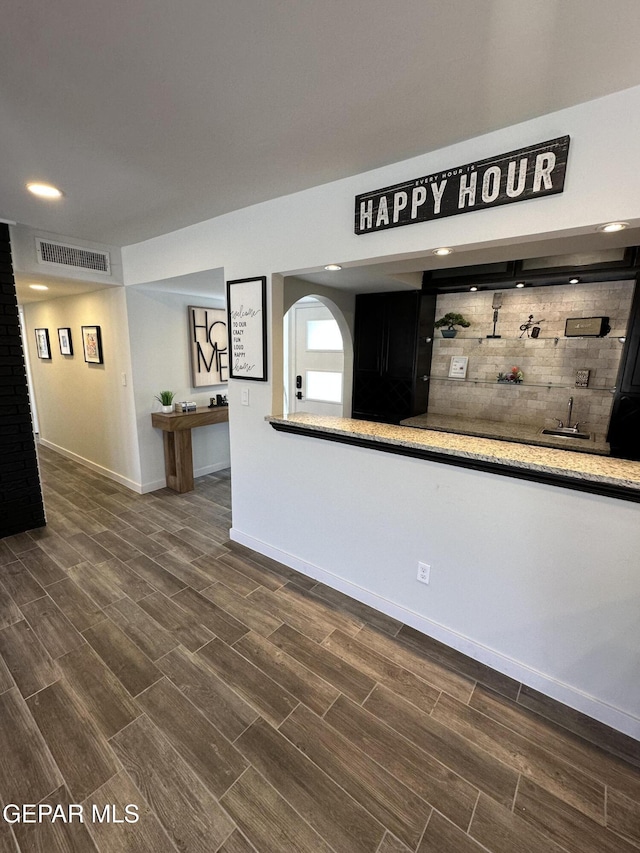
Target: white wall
(538, 581)
(84, 410)
(159, 340)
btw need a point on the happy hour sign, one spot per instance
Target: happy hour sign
(247, 322)
(532, 172)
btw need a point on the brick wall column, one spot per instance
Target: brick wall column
(21, 505)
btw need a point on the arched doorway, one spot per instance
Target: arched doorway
(317, 344)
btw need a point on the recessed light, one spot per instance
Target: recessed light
(520, 284)
(611, 227)
(333, 267)
(442, 251)
(44, 190)
(574, 280)
(38, 287)
(473, 289)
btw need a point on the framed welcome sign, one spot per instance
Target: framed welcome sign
(247, 318)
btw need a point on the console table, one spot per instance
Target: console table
(178, 456)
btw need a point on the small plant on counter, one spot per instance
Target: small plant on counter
(165, 397)
(514, 375)
(449, 321)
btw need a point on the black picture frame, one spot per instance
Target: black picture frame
(65, 341)
(43, 347)
(247, 327)
(92, 344)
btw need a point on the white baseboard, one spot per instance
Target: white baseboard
(549, 686)
(154, 485)
(100, 469)
(211, 469)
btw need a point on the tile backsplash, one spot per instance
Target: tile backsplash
(549, 362)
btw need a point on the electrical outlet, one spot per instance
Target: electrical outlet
(424, 571)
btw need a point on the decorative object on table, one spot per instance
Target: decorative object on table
(165, 398)
(209, 346)
(92, 344)
(458, 367)
(513, 376)
(218, 400)
(582, 378)
(64, 339)
(447, 323)
(586, 327)
(185, 406)
(42, 343)
(247, 322)
(496, 305)
(531, 328)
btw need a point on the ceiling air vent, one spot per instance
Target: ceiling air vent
(62, 255)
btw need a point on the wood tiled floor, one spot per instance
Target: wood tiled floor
(145, 659)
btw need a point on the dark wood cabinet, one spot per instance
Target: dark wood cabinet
(392, 355)
(624, 427)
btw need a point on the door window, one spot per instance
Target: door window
(323, 336)
(324, 386)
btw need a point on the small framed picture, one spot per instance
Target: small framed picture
(458, 367)
(42, 343)
(64, 339)
(92, 344)
(582, 378)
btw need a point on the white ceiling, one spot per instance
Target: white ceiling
(57, 287)
(154, 114)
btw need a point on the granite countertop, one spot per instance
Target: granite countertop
(522, 433)
(573, 466)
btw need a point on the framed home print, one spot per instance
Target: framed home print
(208, 346)
(64, 339)
(92, 344)
(43, 347)
(247, 324)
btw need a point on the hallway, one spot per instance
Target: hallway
(147, 660)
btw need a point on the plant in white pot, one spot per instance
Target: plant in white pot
(447, 323)
(165, 398)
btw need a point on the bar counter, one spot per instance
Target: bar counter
(587, 472)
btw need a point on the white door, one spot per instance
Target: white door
(316, 378)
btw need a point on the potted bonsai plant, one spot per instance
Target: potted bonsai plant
(165, 398)
(449, 321)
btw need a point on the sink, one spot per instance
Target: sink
(563, 432)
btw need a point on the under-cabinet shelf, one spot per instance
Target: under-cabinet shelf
(526, 384)
(480, 339)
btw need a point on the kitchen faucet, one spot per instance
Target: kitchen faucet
(568, 427)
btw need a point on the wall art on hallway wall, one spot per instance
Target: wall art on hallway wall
(92, 344)
(208, 344)
(65, 341)
(43, 347)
